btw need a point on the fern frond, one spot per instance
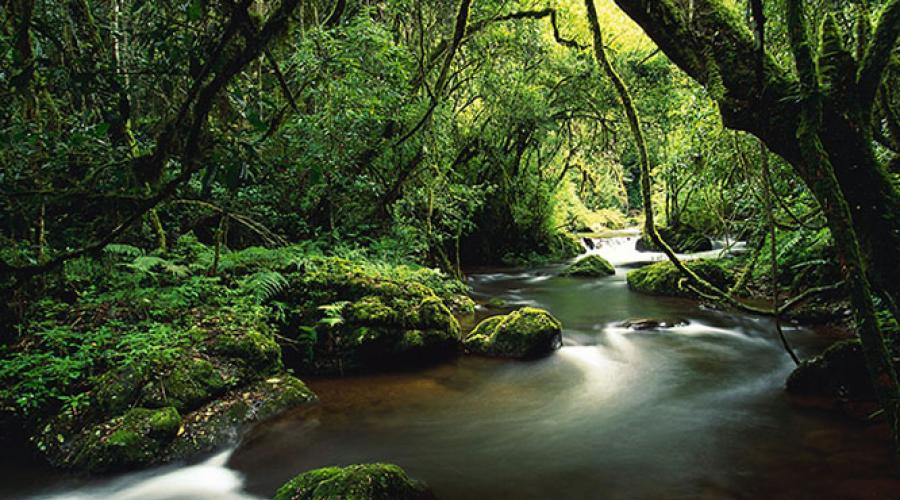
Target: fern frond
(145, 264)
(264, 285)
(123, 250)
(152, 264)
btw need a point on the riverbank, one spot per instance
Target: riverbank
(700, 406)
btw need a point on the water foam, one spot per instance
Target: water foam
(208, 479)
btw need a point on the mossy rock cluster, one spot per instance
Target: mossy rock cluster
(195, 399)
(592, 266)
(682, 238)
(663, 278)
(523, 334)
(354, 482)
(107, 373)
(344, 318)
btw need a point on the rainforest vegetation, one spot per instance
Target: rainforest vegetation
(205, 204)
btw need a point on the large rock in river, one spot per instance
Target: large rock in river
(343, 317)
(592, 266)
(354, 482)
(525, 333)
(663, 278)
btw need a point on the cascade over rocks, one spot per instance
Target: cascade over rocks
(651, 324)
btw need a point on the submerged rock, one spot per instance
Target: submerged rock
(590, 266)
(526, 333)
(663, 278)
(355, 482)
(682, 239)
(651, 324)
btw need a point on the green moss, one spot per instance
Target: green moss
(278, 394)
(392, 327)
(371, 310)
(256, 350)
(114, 391)
(187, 385)
(133, 439)
(354, 482)
(568, 246)
(435, 315)
(663, 278)
(412, 339)
(524, 333)
(216, 424)
(590, 266)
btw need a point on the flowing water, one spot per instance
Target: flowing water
(695, 411)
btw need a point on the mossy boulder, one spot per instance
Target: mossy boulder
(381, 332)
(525, 333)
(215, 378)
(256, 351)
(839, 372)
(143, 437)
(186, 385)
(217, 423)
(132, 440)
(682, 238)
(592, 266)
(663, 278)
(354, 482)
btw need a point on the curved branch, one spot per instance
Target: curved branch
(878, 53)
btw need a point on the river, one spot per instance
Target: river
(695, 411)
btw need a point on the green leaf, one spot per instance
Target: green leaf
(195, 10)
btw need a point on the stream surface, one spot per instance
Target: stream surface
(695, 411)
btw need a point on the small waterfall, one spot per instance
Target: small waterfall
(208, 479)
(620, 251)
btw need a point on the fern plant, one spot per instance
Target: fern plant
(333, 314)
(122, 250)
(152, 264)
(264, 285)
